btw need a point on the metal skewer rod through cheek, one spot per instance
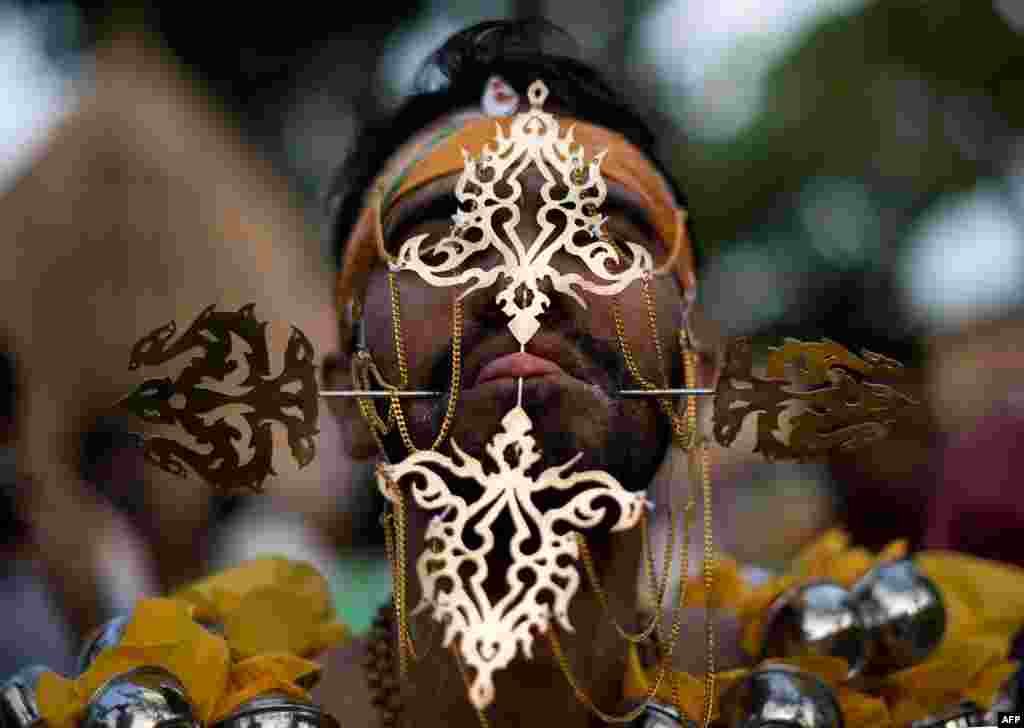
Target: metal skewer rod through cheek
(380, 393)
(427, 394)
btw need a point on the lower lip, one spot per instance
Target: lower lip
(517, 365)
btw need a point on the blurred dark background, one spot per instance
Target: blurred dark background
(854, 170)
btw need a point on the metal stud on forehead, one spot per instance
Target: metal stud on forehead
(489, 630)
(489, 193)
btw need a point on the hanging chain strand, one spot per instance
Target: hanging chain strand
(702, 464)
(396, 548)
(685, 434)
(686, 430)
(709, 583)
(665, 657)
(403, 368)
(396, 541)
(679, 426)
(657, 590)
(465, 679)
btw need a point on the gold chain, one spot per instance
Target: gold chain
(679, 426)
(657, 592)
(396, 542)
(686, 432)
(403, 368)
(396, 548)
(465, 679)
(665, 657)
(652, 322)
(702, 462)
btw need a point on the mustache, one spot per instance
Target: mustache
(599, 352)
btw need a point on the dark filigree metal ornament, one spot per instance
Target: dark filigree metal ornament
(818, 619)
(815, 398)
(19, 707)
(147, 697)
(779, 696)
(278, 710)
(904, 615)
(229, 393)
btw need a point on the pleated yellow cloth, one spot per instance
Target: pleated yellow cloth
(985, 609)
(269, 604)
(274, 614)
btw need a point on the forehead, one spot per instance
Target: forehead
(622, 201)
(436, 200)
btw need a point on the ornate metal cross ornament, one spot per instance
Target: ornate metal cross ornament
(534, 138)
(542, 577)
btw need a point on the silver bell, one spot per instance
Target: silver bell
(108, 635)
(18, 705)
(278, 710)
(964, 715)
(659, 715)
(903, 613)
(146, 697)
(818, 619)
(778, 696)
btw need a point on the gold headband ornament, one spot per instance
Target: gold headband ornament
(445, 154)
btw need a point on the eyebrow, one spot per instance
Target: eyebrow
(437, 201)
(626, 203)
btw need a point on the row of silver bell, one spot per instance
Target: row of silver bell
(891, 619)
(778, 696)
(148, 697)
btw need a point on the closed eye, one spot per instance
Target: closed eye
(438, 208)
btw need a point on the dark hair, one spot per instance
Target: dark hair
(453, 78)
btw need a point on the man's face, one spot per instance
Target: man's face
(571, 396)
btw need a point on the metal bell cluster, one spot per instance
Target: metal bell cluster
(779, 696)
(149, 697)
(659, 715)
(964, 715)
(18, 705)
(146, 697)
(277, 710)
(891, 619)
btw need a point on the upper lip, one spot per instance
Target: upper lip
(552, 348)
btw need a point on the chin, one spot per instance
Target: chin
(624, 438)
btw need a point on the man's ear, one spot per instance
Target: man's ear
(357, 439)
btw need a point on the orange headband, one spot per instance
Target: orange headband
(624, 163)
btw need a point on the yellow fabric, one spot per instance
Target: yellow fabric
(269, 604)
(161, 633)
(281, 672)
(274, 613)
(985, 609)
(624, 164)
